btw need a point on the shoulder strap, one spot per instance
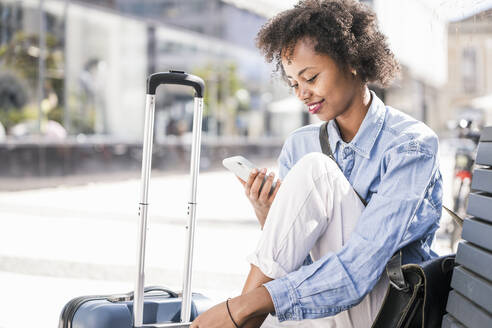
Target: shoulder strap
(323, 140)
(325, 147)
(395, 273)
(458, 219)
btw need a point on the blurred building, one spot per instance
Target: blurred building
(108, 48)
(217, 18)
(418, 37)
(205, 38)
(469, 88)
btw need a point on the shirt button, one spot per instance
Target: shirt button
(288, 315)
(347, 151)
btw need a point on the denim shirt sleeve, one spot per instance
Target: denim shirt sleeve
(284, 160)
(340, 280)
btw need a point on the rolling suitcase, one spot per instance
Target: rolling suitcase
(163, 307)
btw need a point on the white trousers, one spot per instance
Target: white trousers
(315, 211)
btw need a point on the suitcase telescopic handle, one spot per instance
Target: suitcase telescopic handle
(175, 77)
(154, 80)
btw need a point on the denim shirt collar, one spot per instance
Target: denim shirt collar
(368, 130)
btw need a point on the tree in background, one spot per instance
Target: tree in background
(20, 55)
(13, 97)
(221, 104)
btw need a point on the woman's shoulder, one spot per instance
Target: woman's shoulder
(304, 132)
(402, 128)
(307, 129)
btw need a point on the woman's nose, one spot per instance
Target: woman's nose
(303, 93)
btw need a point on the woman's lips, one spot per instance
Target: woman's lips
(315, 107)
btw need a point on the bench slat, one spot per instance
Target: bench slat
(467, 312)
(480, 205)
(486, 134)
(475, 259)
(478, 232)
(473, 287)
(449, 322)
(482, 180)
(484, 153)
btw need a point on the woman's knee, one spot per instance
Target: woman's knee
(316, 163)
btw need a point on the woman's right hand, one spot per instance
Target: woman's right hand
(260, 199)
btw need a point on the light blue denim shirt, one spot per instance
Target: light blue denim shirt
(392, 162)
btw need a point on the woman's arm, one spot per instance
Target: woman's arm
(255, 279)
(248, 310)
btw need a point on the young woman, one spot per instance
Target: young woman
(329, 51)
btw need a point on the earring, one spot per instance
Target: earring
(354, 72)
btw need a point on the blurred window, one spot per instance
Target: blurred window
(469, 70)
(10, 21)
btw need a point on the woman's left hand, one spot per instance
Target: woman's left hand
(259, 192)
(215, 317)
(244, 310)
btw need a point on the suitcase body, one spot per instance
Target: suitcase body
(160, 307)
(105, 311)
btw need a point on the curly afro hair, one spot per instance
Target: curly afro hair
(346, 30)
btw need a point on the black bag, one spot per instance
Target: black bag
(418, 293)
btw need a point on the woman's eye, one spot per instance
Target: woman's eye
(294, 86)
(313, 78)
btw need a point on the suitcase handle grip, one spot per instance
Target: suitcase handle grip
(129, 296)
(161, 289)
(175, 77)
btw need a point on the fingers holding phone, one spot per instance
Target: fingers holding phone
(269, 190)
(260, 188)
(254, 183)
(260, 193)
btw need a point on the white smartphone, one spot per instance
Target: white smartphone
(241, 167)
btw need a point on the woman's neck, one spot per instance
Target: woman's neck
(350, 121)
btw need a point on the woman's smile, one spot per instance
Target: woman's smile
(315, 106)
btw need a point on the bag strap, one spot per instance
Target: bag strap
(458, 219)
(324, 142)
(325, 147)
(395, 273)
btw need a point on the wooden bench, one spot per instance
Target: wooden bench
(470, 300)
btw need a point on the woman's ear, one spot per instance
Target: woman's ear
(353, 72)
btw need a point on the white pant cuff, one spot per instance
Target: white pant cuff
(270, 268)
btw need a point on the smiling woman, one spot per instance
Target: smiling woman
(349, 212)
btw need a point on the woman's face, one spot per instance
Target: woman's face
(318, 81)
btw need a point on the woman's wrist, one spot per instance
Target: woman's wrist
(261, 216)
(249, 305)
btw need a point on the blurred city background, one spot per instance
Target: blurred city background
(72, 95)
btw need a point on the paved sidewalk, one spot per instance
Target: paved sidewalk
(63, 242)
